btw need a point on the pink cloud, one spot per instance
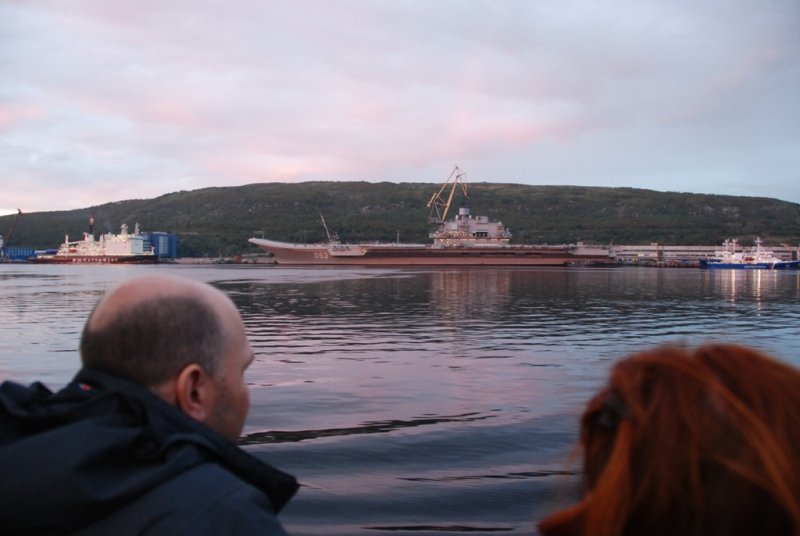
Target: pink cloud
(171, 112)
(11, 116)
(256, 167)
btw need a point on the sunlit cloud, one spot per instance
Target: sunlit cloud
(103, 101)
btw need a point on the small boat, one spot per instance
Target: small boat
(464, 240)
(755, 258)
(122, 248)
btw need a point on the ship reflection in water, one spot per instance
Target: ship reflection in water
(750, 286)
(420, 401)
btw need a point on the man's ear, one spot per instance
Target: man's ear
(194, 392)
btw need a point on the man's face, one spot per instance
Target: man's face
(232, 400)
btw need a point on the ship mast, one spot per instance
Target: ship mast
(438, 205)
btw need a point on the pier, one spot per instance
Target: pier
(656, 254)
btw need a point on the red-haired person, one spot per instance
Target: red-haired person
(703, 442)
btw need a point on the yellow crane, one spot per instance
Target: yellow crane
(437, 203)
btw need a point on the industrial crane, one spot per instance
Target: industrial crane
(4, 243)
(438, 205)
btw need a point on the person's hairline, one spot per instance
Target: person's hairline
(212, 299)
(173, 287)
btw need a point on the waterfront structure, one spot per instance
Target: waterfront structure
(656, 254)
(464, 240)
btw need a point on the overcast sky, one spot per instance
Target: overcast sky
(105, 100)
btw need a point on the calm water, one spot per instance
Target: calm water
(436, 401)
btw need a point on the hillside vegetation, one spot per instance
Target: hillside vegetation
(218, 221)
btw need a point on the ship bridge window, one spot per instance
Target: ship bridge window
(481, 234)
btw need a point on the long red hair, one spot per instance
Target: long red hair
(690, 443)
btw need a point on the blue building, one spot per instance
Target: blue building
(165, 245)
(17, 254)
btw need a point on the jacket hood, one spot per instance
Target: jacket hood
(99, 443)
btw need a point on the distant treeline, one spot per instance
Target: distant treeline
(218, 221)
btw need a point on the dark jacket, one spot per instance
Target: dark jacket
(105, 456)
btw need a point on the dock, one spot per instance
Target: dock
(656, 254)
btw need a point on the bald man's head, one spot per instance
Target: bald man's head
(149, 328)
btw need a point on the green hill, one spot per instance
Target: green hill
(218, 221)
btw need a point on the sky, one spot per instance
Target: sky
(107, 100)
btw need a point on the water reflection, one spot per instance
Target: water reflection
(262, 438)
(469, 294)
(423, 400)
(751, 285)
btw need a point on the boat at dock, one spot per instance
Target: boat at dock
(122, 248)
(756, 258)
(464, 240)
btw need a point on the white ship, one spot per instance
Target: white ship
(125, 248)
